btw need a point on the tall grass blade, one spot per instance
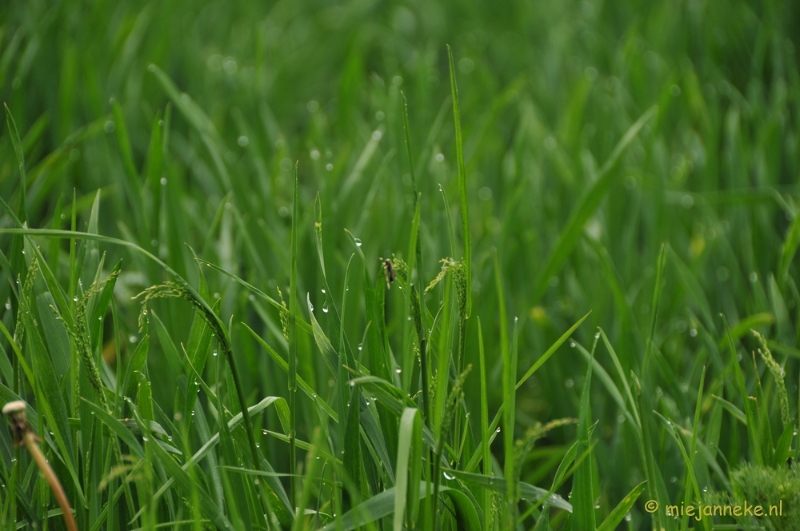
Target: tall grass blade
(587, 204)
(462, 180)
(293, 338)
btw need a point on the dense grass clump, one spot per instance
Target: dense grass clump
(400, 265)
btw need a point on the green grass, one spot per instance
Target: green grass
(587, 207)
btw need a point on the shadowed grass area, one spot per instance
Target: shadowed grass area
(388, 284)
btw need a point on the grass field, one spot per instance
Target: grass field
(401, 265)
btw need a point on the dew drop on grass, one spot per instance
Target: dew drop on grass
(323, 290)
(497, 430)
(448, 476)
(8, 305)
(399, 370)
(325, 307)
(628, 517)
(569, 383)
(163, 181)
(132, 339)
(357, 242)
(329, 166)
(571, 344)
(360, 346)
(310, 306)
(243, 141)
(214, 353)
(693, 332)
(673, 479)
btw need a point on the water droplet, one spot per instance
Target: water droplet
(376, 135)
(8, 305)
(569, 383)
(360, 346)
(597, 335)
(693, 332)
(440, 188)
(357, 242)
(399, 370)
(628, 517)
(242, 141)
(329, 166)
(325, 307)
(132, 339)
(572, 344)
(753, 276)
(439, 157)
(497, 430)
(163, 181)
(673, 479)
(315, 154)
(352, 384)
(323, 290)
(310, 306)
(448, 476)
(252, 297)
(75, 299)
(215, 353)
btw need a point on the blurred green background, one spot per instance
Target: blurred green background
(546, 90)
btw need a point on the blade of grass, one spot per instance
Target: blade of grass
(582, 487)
(409, 463)
(462, 180)
(509, 422)
(587, 204)
(486, 458)
(293, 339)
